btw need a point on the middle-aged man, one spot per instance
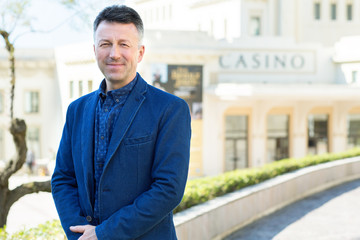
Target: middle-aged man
(123, 159)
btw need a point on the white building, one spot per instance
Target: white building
(37, 101)
(280, 81)
(265, 80)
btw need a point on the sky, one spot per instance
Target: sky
(66, 27)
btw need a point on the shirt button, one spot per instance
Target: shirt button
(106, 110)
(117, 100)
(102, 137)
(89, 218)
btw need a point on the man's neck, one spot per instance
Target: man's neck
(113, 85)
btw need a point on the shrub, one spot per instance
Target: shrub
(51, 230)
(203, 189)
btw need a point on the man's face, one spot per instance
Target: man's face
(117, 52)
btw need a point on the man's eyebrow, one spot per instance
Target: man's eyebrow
(104, 40)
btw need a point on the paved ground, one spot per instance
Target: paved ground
(333, 214)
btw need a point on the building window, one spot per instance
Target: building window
(333, 11)
(318, 141)
(277, 137)
(157, 14)
(145, 17)
(151, 16)
(71, 89)
(90, 86)
(236, 142)
(33, 141)
(2, 147)
(32, 102)
(353, 131)
(80, 88)
(1, 102)
(349, 11)
(170, 11)
(354, 76)
(317, 11)
(255, 26)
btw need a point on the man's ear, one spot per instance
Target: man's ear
(141, 53)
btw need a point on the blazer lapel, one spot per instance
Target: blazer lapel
(129, 111)
(87, 144)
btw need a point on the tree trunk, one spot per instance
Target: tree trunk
(3, 210)
(12, 82)
(11, 50)
(18, 131)
(7, 197)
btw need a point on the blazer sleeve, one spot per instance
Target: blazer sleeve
(169, 173)
(64, 185)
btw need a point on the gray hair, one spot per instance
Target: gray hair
(121, 14)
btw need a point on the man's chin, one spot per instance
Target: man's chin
(117, 82)
(116, 78)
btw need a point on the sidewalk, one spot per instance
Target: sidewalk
(333, 214)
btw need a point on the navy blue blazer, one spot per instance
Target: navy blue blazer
(145, 171)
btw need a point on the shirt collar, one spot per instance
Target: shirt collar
(117, 92)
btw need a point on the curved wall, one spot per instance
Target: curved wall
(223, 215)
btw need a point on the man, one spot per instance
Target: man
(122, 162)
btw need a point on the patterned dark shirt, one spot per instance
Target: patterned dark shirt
(107, 112)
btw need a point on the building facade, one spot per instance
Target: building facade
(280, 78)
(37, 101)
(264, 79)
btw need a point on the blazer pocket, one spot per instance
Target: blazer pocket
(138, 140)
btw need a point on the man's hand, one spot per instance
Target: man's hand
(88, 232)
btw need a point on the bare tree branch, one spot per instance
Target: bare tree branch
(33, 30)
(6, 36)
(16, 12)
(27, 188)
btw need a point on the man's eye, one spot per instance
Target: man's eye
(104, 44)
(124, 45)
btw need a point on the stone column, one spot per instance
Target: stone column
(299, 144)
(339, 126)
(258, 136)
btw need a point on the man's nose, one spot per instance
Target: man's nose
(115, 52)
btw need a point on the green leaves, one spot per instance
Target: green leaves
(204, 189)
(49, 230)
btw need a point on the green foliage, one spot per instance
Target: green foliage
(51, 230)
(203, 189)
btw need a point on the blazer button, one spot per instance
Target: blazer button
(89, 218)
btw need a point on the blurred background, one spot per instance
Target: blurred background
(264, 80)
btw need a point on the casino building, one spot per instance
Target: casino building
(264, 79)
(279, 78)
